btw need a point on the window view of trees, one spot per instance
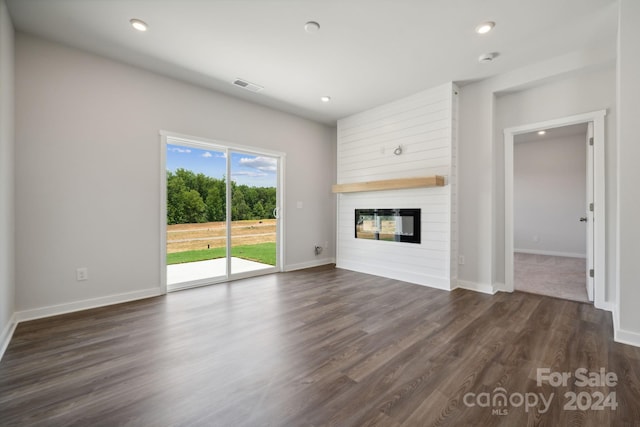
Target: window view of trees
(197, 198)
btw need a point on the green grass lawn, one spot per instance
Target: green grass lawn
(262, 252)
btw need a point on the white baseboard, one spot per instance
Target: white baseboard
(624, 336)
(7, 333)
(54, 310)
(501, 287)
(309, 264)
(478, 287)
(550, 253)
(443, 283)
(605, 305)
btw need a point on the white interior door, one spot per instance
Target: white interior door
(589, 213)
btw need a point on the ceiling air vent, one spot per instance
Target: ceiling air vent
(247, 85)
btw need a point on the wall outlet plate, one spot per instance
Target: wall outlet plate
(82, 274)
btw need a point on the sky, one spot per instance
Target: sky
(254, 171)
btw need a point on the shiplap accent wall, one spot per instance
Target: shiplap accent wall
(424, 125)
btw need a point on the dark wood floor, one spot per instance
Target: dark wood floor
(313, 348)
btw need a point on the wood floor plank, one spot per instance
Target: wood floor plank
(319, 347)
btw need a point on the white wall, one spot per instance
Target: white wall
(628, 90)
(571, 84)
(475, 185)
(88, 172)
(423, 125)
(549, 196)
(7, 276)
(589, 90)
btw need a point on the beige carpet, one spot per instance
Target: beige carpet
(554, 276)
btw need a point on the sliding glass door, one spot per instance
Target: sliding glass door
(196, 233)
(222, 213)
(254, 212)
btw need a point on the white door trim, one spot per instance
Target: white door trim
(589, 215)
(597, 118)
(163, 213)
(207, 143)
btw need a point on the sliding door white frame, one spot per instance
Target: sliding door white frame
(225, 147)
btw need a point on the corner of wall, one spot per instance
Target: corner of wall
(623, 336)
(7, 333)
(309, 264)
(477, 287)
(7, 179)
(86, 304)
(626, 316)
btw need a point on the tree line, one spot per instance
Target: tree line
(193, 198)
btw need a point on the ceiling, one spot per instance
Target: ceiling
(367, 52)
(553, 133)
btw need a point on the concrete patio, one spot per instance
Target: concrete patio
(190, 271)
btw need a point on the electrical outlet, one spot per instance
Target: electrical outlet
(82, 274)
(461, 260)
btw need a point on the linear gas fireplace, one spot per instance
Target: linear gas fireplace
(396, 225)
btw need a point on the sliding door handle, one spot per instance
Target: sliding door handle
(276, 213)
(583, 219)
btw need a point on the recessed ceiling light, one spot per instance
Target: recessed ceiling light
(485, 27)
(542, 132)
(325, 99)
(139, 25)
(312, 27)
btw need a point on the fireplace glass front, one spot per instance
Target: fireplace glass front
(396, 225)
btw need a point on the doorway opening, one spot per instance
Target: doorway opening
(551, 213)
(550, 200)
(220, 215)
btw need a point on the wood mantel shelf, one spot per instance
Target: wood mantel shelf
(390, 184)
